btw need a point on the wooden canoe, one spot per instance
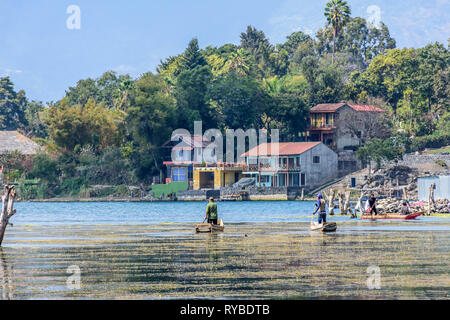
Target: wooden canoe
(208, 227)
(323, 227)
(390, 216)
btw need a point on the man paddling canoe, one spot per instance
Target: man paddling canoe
(211, 211)
(321, 205)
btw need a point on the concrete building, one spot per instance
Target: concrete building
(216, 176)
(442, 190)
(291, 164)
(180, 167)
(341, 126)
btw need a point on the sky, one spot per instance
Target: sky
(46, 49)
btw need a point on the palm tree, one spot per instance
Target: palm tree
(337, 13)
(237, 62)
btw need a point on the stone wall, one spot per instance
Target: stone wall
(265, 193)
(192, 195)
(417, 159)
(198, 195)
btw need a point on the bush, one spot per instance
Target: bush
(121, 190)
(44, 168)
(431, 141)
(72, 187)
(441, 163)
(33, 191)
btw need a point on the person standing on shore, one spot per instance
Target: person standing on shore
(321, 207)
(211, 211)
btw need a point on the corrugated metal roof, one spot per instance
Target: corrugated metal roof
(13, 140)
(284, 148)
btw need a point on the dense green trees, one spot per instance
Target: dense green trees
(110, 130)
(12, 106)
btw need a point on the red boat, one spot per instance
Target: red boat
(392, 216)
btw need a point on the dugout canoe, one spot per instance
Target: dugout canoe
(208, 227)
(392, 216)
(323, 227)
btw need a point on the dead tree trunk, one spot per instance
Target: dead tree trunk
(431, 199)
(341, 203)
(7, 209)
(404, 193)
(361, 205)
(347, 207)
(330, 198)
(302, 197)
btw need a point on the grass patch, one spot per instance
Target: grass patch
(441, 150)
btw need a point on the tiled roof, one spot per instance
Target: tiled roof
(328, 107)
(13, 140)
(358, 107)
(332, 107)
(284, 148)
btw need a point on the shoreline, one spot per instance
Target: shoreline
(62, 200)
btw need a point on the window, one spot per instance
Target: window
(316, 120)
(179, 174)
(303, 179)
(293, 179)
(316, 159)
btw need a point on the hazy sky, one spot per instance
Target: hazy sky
(44, 57)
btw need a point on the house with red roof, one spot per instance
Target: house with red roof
(327, 123)
(291, 164)
(342, 127)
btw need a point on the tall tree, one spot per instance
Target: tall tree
(190, 94)
(192, 57)
(255, 42)
(151, 119)
(337, 13)
(238, 101)
(12, 106)
(294, 40)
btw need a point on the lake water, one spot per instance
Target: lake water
(149, 251)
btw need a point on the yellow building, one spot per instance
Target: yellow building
(217, 176)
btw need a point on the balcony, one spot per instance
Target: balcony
(269, 168)
(319, 126)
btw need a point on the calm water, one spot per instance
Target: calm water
(149, 251)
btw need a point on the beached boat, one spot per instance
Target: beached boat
(390, 216)
(323, 227)
(208, 227)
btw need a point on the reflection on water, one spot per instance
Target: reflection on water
(248, 260)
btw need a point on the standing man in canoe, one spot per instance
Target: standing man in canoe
(372, 205)
(211, 211)
(321, 207)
